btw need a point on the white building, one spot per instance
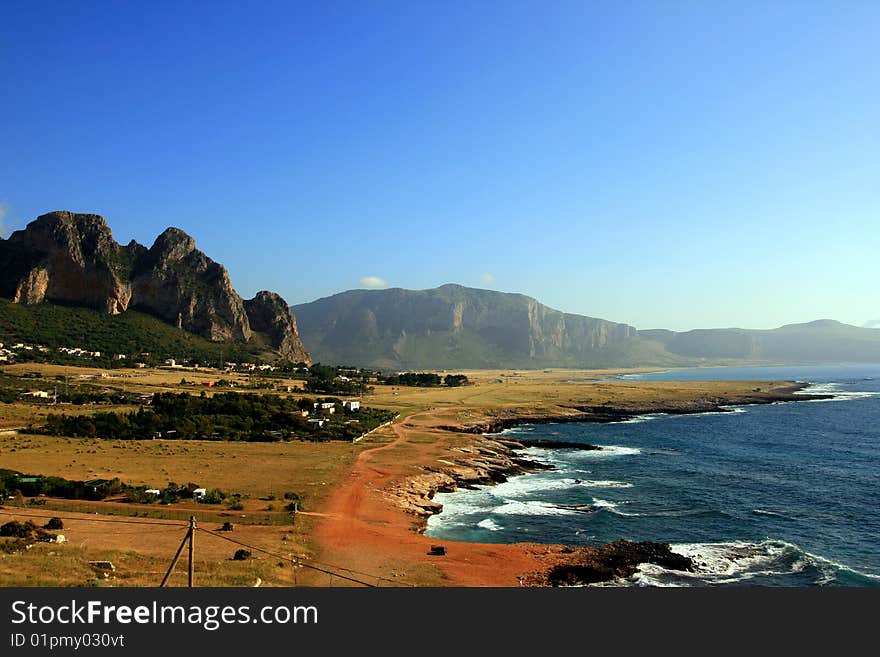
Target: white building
(351, 405)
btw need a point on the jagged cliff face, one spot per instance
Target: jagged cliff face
(453, 326)
(180, 284)
(73, 258)
(70, 258)
(269, 313)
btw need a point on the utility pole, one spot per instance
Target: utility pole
(187, 539)
(192, 533)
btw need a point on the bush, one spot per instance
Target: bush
(54, 523)
(213, 496)
(18, 529)
(241, 555)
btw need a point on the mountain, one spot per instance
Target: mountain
(458, 327)
(72, 259)
(820, 341)
(455, 327)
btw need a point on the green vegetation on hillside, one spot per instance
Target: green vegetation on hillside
(131, 333)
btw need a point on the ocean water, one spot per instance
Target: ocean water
(784, 494)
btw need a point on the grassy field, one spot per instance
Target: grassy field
(141, 539)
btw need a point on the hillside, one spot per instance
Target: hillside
(821, 341)
(131, 333)
(458, 327)
(72, 259)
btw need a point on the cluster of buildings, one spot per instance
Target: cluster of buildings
(8, 353)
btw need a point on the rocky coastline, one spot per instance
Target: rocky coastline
(492, 459)
(507, 419)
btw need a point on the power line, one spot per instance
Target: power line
(299, 562)
(4, 511)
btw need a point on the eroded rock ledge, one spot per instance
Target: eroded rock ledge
(485, 461)
(578, 566)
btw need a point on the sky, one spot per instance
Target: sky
(668, 164)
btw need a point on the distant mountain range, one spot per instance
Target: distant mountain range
(455, 327)
(72, 259)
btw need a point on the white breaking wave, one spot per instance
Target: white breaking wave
(532, 508)
(834, 389)
(612, 450)
(736, 562)
(641, 418)
(490, 524)
(612, 507)
(602, 483)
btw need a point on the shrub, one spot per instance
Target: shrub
(54, 523)
(241, 555)
(18, 529)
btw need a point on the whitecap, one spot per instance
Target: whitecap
(490, 524)
(532, 508)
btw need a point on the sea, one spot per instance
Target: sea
(784, 494)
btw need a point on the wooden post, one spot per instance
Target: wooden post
(192, 532)
(176, 558)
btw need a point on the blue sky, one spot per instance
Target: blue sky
(665, 164)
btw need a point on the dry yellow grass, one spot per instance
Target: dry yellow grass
(260, 469)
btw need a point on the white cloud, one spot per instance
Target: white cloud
(373, 282)
(488, 278)
(872, 323)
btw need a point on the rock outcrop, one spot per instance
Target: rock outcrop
(486, 461)
(71, 258)
(268, 313)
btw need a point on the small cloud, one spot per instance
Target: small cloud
(872, 323)
(488, 278)
(373, 282)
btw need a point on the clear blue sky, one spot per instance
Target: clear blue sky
(666, 164)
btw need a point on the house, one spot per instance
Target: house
(304, 413)
(95, 484)
(153, 491)
(119, 357)
(38, 394)
(351, 405)
(320, 423)
(199, 493)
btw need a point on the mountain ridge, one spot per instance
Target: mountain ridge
(453, 326)
(72, 258)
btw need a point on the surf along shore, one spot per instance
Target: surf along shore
(374, 519)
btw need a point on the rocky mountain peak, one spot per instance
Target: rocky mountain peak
(72, 258)
(173, 244)
(269, 313)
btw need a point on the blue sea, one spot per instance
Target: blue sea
(786, 494)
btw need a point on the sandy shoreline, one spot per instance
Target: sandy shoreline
(375, 519)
